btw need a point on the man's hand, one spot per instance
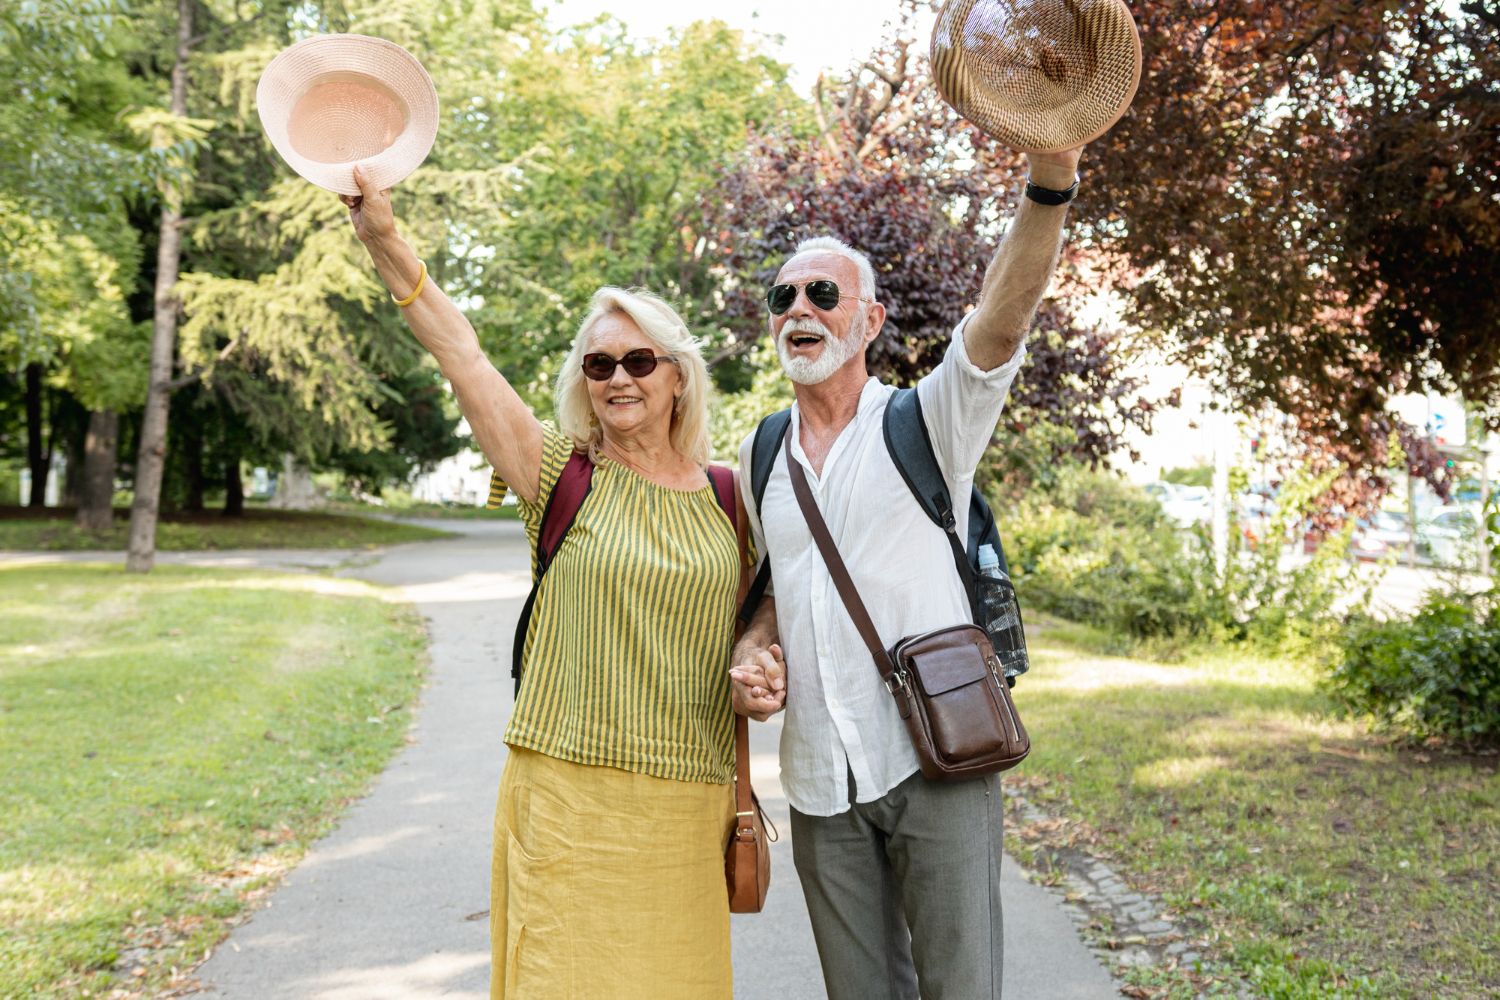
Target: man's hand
(1057, 170)
(758, 681)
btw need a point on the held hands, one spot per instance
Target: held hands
(758, 681)
(370, 211)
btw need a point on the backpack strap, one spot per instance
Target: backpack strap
(763, 450)
(910, 446)
(563, 504)
(722, 479)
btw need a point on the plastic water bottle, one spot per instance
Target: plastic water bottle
(997, 600)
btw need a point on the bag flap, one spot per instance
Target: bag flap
(947, 660)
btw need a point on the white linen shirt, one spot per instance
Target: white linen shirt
(839, 716)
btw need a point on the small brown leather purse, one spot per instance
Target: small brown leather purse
(948, 684)
(747, 859)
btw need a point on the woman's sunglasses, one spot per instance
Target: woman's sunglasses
(822, 293)
(637, 364)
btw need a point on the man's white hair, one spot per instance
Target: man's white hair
(830, 244)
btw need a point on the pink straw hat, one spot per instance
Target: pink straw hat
(1038, 75)
(332, 101)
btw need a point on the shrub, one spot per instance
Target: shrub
(1435, 674)
(1098, 550)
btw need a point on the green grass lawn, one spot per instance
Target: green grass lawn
(1327, 862)
(24, 529)
(170, 743)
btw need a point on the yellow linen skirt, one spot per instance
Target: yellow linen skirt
(608, 884)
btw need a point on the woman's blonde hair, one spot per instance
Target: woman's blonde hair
(664, 328)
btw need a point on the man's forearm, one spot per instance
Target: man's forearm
(761, 633)
(1014, 284)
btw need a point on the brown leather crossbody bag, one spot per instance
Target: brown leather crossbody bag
(948, 684)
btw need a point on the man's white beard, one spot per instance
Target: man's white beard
(811, 371)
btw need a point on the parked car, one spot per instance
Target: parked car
(1449, 535)
(1161, 490)
(1190, 505)
(1379, 536)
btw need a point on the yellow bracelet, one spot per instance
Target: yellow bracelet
(422, 280)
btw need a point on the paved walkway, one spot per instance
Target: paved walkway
(392, 904)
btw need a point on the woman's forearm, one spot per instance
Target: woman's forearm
(437, 323)
(503, 426)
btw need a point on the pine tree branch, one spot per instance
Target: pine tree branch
(198, 374)
(177, 383)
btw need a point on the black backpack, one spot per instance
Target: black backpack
(992, 600)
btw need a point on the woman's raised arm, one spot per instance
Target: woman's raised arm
(505, 428)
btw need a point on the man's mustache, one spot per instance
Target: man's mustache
(803, 326)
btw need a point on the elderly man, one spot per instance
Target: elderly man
(901, 875)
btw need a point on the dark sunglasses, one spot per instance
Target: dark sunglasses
(637, 364)
(822, 293)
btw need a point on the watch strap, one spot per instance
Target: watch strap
(1049, 196)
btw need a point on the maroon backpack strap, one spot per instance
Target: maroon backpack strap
(723, 482)
(562, 506)
(562, 510)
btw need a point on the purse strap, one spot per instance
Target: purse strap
(744, 806)
(836, 568)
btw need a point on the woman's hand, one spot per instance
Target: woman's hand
(370, 211)
(758, 681)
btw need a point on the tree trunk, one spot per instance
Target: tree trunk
(36, 459)
(294, 488)
(96, 507)
(192, 444)
(65, 437)
(153, 448)
(234, 488)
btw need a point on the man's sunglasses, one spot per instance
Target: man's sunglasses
(637, 364)
(822, 293)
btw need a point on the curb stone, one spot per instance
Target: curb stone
(1123, 928)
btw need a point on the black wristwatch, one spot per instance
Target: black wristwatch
(1047, 196)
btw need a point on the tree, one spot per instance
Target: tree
(74, 333)
(66, 259)
(281, 319)
(608, 146)
(169, 132)
(1304, 206)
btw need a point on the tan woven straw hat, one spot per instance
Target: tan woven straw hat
(332, 101)
(1038, 75)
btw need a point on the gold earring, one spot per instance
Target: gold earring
(593, 419)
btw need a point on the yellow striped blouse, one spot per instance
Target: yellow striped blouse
(627, 653)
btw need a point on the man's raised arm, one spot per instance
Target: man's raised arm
(1022, 267)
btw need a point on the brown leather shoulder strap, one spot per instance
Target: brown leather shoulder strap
(743, 805)
(835, 563)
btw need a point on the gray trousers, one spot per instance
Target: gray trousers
(904, 892)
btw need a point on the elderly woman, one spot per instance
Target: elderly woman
(615, 806)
